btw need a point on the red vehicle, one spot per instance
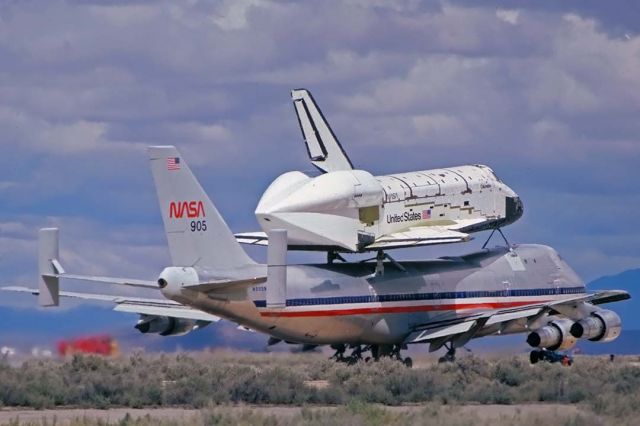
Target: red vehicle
(551, 356)
(97, 345)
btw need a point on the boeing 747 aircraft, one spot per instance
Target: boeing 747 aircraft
(379, 307)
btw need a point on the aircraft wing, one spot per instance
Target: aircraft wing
(252, 238)
(218, 285)
(463, 224)
(419, 236)
(137, 305)
(413, 237)
(453, 232)
(110, 280)
(460, 330)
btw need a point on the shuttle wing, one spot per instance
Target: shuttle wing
(418, 236)
(324, 149)
(463, 225)
(137, 305)
(413, 237)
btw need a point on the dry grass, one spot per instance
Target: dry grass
(366, 393)
(353, 414)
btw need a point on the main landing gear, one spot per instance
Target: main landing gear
(354, 357)
(359, 353)
(450, 356)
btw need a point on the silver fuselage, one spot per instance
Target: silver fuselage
(350, 303)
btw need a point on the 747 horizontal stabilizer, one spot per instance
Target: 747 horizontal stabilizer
(137, 305)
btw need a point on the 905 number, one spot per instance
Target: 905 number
(198, 225)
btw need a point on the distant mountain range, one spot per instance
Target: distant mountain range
(26, 328)
(629, 310)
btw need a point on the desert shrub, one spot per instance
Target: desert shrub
(204, 379)
(510, 373)
(485, 391)
(273, 386)
(576, 394)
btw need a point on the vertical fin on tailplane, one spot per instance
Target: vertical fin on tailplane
(324, 149)
(196, 233)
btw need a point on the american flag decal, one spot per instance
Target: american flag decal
(426, 214)
(173, 163)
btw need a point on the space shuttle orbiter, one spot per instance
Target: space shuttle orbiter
(350, 210)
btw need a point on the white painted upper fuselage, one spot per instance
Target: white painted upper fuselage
(350, 303)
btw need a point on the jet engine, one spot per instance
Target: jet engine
(601, 326)
(174, 278)
(555, 335)
(168, 326)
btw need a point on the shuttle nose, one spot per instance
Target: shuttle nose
(514, 209)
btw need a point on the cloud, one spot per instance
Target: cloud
(86, 247)
(547, 94)
(232, 15)
(508, 16)
(440, 129)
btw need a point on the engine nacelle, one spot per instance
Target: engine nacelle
(168, 326)
(601, 326)
(554, 336)
(174, 278)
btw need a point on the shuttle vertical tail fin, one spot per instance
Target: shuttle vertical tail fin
(324, 149)
(196, 233)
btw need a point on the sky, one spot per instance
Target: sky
(547, 93)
